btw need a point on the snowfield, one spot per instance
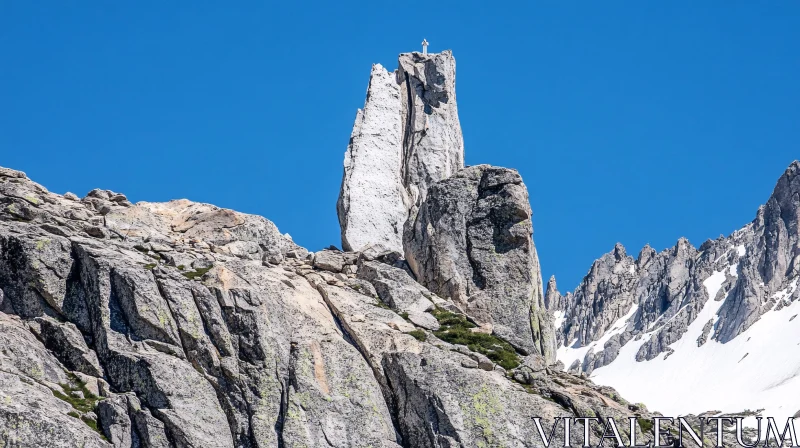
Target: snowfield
(759, 369)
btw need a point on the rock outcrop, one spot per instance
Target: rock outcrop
(772, 260)
(466, 233)
(471, 243)
(407, 137)
(185, 325)
(433, 148)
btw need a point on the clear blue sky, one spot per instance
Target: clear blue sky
(630, 121)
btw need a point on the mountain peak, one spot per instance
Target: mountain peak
(406, 137)
(619, 251)
(681, 305)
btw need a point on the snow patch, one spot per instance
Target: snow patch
(570, 353)
(786, 292)
(751, 371)
(714, 283)
(741, 250)
(558, 319)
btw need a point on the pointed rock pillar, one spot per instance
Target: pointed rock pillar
(407, 137)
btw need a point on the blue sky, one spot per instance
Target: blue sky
(637, 122)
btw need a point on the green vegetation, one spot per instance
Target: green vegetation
(150, 266)
(418, 335)
(404, 315)
(379, 303)
(645, 424)
(455, 329)
(181, 267)
(197, 273)
(82, 405)
(93, 424)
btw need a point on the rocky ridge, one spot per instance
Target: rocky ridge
(650, 302)
(182, 324)
(760, 262)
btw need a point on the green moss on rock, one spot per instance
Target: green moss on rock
(197, 273)
(418, 335)
(456, 329)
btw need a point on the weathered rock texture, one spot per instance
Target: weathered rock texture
(373, 202)
(665, 291)
(407, 137)
(471, 243)
(433, 148)
(185, 325)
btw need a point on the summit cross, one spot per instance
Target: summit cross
(424, 46)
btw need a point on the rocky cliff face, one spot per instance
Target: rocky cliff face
(407, 137)
(433, 148)
(471, 242)
(185, 325)
(662, 309)
(466, 233)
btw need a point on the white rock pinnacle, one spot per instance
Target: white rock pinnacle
(407, 137)
(371, 204)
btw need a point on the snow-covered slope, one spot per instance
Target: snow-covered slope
(692, 330)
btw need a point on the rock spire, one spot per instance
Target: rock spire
(405, 138)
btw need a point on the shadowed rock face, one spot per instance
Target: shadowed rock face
(433, 148)
(471, 243)
(182, 324)
(406, 137)
(758, 267)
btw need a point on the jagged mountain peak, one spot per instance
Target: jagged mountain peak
(645, 255)
(619, 251)
(792, 171)
(551, 283)
(406, 137)
(683, 303)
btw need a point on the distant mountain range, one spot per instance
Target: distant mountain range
(695, 329)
